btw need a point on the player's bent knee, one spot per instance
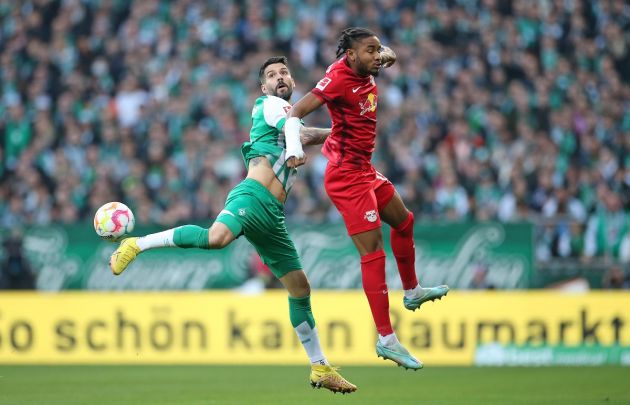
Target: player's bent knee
(303, 290)
(300, 292)
(300, 288)
(368, 242)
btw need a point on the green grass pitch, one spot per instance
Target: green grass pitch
(122, 385)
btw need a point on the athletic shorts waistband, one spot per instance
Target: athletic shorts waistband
(259, 187)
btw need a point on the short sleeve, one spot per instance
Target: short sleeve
(329, 88)
(275, 111)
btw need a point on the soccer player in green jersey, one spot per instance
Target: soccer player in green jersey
(254, 208)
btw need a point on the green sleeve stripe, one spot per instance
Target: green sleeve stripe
(280, 124)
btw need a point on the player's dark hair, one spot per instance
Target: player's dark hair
(271, 61)
(351, 35)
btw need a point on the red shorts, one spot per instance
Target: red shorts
(359, 194)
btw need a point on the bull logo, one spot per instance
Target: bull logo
(371, 216)
(369, 105)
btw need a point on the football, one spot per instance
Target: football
(113, 221)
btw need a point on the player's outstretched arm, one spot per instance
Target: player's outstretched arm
(314, 136)
(307, 104)
(304, 106)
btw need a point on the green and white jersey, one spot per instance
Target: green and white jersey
(266, 137)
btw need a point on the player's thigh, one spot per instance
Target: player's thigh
(267, 232)
(353, 195)
(390, 206)
(233, 217)
(220, 235)
(383, 189)
(394, 212)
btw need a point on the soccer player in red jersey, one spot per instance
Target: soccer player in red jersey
(362, 195)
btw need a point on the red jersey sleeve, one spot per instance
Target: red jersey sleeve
(330, 88)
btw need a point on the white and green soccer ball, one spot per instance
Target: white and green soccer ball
(113, 221)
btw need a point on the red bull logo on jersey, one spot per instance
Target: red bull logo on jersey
(369, 105)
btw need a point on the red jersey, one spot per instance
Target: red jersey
(351, 100)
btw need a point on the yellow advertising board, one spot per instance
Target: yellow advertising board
(226, 327)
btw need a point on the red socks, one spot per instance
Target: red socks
(373, 273)
(405, 252)
(375, 287)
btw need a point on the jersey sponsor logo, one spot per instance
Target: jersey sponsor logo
(321, 85)
(355, 89)
(242, 212)
(369, 105)
(286, 108)
(371, 216)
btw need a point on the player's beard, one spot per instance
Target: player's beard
(363, 70)
(286, 95)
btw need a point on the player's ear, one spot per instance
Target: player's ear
(263, 88)
(351, 55)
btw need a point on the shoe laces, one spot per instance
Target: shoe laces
(332, 375)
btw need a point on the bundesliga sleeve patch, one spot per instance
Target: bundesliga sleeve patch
(321, 85)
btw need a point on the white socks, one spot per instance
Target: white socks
(310, 341)
(414, 292)
(389, 340)
(155, 240)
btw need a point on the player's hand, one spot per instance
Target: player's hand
(388, 57)
(294, 162)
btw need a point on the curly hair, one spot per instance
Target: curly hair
(349, 36)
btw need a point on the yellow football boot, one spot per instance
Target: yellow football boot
(328, 377)
(126, 252)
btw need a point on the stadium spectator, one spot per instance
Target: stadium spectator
(15, 273)
(615, 279)
(529, 91)
(608, 229)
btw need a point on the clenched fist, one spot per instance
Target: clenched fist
(388, 57)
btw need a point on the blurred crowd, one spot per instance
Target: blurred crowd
(496, 109)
